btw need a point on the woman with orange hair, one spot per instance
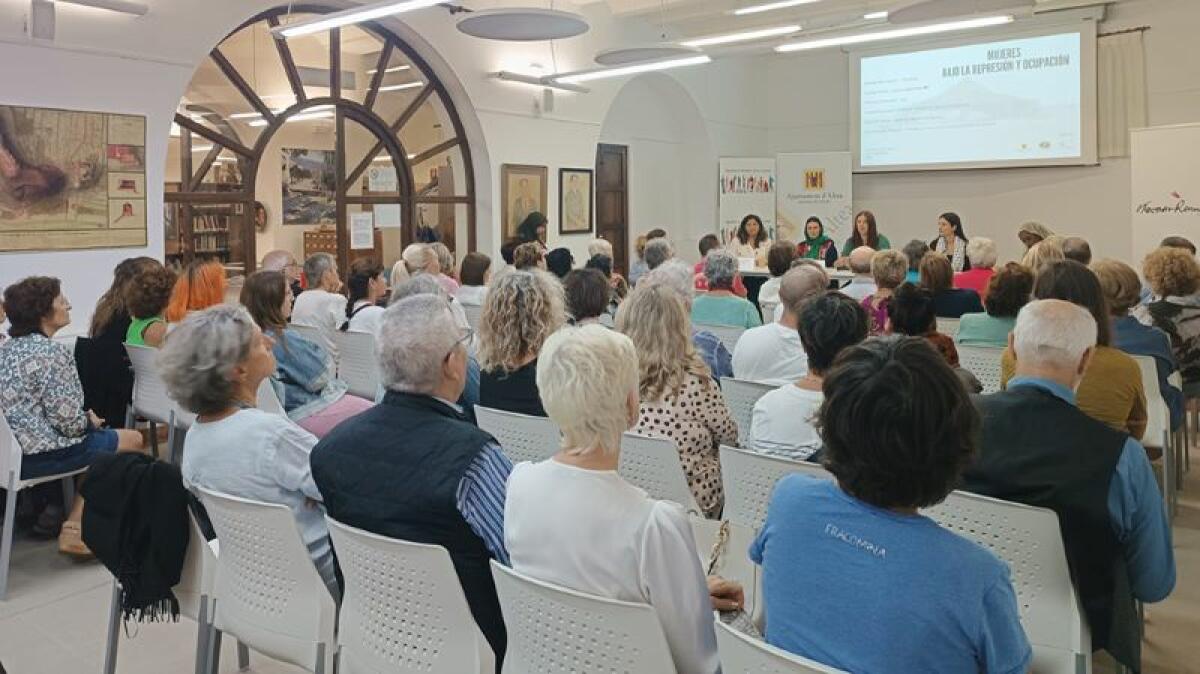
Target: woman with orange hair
(200, 287)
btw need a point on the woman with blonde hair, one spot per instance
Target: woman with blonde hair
(200, 287)
(680, 401)
(1174, 278)
(521, 310)
(1043, 253)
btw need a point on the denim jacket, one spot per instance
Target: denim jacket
(306, 372)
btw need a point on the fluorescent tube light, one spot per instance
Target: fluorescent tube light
(122, 6)
(588, 75)
(276, 111)
(394, 69)
(538, 82)
(875, 15)
(201, 148)
(745, 36)
(897, 33)
(302, 117)
(398, 87)
(771, 6)
(388, 158)
(349, 16)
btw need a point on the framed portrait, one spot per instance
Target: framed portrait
(522, 191)
(575, 201)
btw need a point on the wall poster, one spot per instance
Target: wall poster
(814, 184)
(747, 187)
(522, 191)
(309, 187)
(71, 180)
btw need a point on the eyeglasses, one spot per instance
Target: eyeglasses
(465, 339)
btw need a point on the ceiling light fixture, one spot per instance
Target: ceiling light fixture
(276, 111)
(399, 87)
(388, 158)
(522, 24)
(745, 36)
(875, 15)
(122, 6)
(589, 75)
(771, 6)
(539, 82)
(877, 36)
(201, 148)
(349, 16)
(394, 69)
(302, 117)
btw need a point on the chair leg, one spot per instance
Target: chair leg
(202, 620)
(214, 651)
(114, 630)
(243, 656)
(6, 537)
(171, 456)
(320, 659)
(154, 439)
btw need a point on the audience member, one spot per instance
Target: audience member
(1043, 253)
(1033, 233)
(888, 269)
(201, 286)
(618, 289)
(751, 240)
(508, 249)
(560, 261)
(445, 269)
(709, 243)
(783, 419)
(424, 284)
(587, 295)
(1096, 479)
(656, 233)
(639, 267)
(1174, 277)
(312, 396)
(599, 247)
(817, 246)
(679, 399)
(677, 276)
(111, 318)
(146, 300)
(915, 251)
(322, 306)
(981, 252)
(1178, 242)
(529, 256)
(862, 285)
(952, 242)
(522, 309)
(574, 521)
(772, 353)
(779, 260)
(42, 399)
(948, 302)
(421, 258)
(658, 251)
(413, 468)
(212, 365)
(720, 306)
(1121, 288)
(866, 233)
(1111, 389)
(284, 261)
(1077, 248)
(911, 312)
(475, 272)
(897, 429)
(533, 230)
(1008, 291)
(367, 291)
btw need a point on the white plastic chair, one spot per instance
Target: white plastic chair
(472, 312)
(740, 396)
(357, 365)
(267, 593)
(728, 335)
(268, 399)
(387, 577)
(983, 362)
(522, 437)
(1029, 540)
(743, 654)
(948, 327)
(10, 479)
(552, 629)
(653, 465)
(151, 400)
(316, 336)
(749, 479)
(1158, 431)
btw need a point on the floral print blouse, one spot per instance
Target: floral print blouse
(40, 394)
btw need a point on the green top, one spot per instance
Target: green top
(884, 244)
(732, 311)
(137, 328)
(984, 330)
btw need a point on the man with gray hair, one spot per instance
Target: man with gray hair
(772, 353)
(322, 306)
(284, 262)
(413, 467)
(426, 284)
(677, 275)
(1038, 448)
(862, 285)
(657, 252)
(1075, 248)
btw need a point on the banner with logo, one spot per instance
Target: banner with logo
(814, 184)
(747, 186)
(1165, 195)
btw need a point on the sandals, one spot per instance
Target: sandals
(70, 541)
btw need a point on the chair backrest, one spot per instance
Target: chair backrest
(741, 395)
(388, 577)
(1158, 421)
(472, 312)
(1029, 540)
(150, 398)
(199, 570)
(553, 629)
(10, 455)
(749, 478)
(728, 335)
(357, 364)
(268, 593)
(743, 654)
(268, 398)
(653, 465)
(315, 336)
(984, 363)
(522, 437)
(948, 327)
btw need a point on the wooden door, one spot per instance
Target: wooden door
(612, 201)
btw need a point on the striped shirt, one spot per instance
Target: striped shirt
(480, 498)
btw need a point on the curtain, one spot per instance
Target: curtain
(1121, 90)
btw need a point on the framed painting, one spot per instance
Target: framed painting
(575, 188)
(522, 191)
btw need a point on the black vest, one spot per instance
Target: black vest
(1041, 450)
(394, 470)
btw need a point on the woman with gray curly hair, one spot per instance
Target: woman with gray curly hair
(522, 309)
(720, 306)
(213, 363)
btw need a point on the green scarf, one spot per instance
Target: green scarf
(814, 245)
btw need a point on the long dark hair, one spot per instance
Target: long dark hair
(112, 305)
(262, 295)
(527, 230)
(872, 231)
(743, 235)
(956, 223)
(358, 281)
(1071, 281)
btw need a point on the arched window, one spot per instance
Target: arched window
(291, 143)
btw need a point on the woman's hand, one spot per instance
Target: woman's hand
(726, 595)
(94, 420)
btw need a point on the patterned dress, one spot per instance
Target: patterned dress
(40, 394)
(1179, 317)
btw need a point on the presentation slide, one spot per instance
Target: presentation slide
(1014, 100)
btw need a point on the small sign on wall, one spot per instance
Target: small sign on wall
(362, 231)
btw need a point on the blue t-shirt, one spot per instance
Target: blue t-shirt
(871, 591)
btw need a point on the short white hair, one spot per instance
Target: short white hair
(982, 252)
(674, 274)
(800, 284)
(600, 247)
(417, 284)
(584, 377)
(1053, 333)
(420, 257)
(657, 252)
(720, 268)
(414, 338)
(199, 354)
(316, 265)
(860, 259)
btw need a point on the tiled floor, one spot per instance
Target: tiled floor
(55, 619)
